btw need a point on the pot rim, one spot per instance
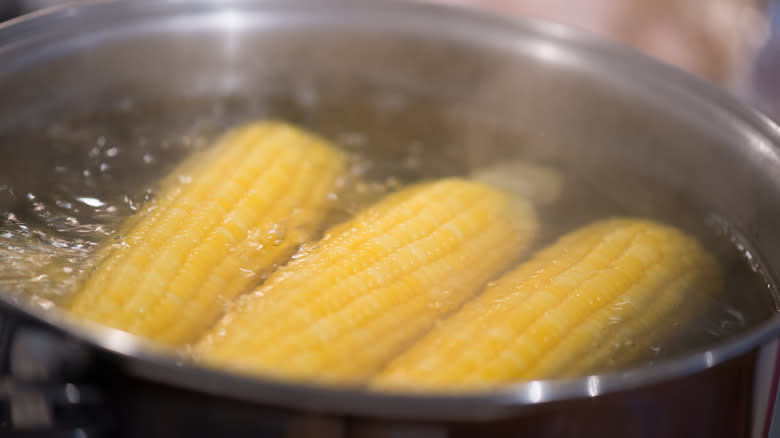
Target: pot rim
(144, 360)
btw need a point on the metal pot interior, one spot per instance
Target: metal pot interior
(99, 101)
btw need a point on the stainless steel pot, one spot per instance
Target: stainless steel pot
(651, 140)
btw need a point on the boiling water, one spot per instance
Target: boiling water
(72, 185)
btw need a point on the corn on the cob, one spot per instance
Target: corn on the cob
(222, 219)
(598, 290)
(373, 284)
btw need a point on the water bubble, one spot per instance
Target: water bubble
(61, 203)
(298, 254)
(112, 152)
(43, 303)
(352, 139)
(736, 314)
(276, 234)
(307, 95)
(361, 168)
(92, 202)
(248, 273)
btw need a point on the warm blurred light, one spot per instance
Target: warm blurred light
(716, 39)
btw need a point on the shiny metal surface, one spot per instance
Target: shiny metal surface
(587, 100)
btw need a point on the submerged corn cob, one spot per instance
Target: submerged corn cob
(599, 293)
(222, 219)
(373, 284)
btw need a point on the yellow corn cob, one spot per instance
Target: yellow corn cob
(598, 290)
(373, 284)
(223, 218)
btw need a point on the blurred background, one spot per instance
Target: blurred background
(714, 38)
(734, 43)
